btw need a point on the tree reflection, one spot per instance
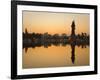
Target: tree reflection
(46, 45)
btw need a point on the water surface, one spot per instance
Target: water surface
(55, 56)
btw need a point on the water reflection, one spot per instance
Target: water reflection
(73, 53)
(46, 45)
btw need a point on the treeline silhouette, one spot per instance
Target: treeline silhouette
(38, 39)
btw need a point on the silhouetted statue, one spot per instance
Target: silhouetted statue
(73, 29)
(73, 53)
(73, 37)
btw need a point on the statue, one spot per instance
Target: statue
(73, 29)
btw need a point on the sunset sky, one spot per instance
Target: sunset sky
(53, 22)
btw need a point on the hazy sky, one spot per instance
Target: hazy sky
(41, 22)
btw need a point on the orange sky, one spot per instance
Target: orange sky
(41, 22)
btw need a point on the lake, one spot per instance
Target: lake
(55, 56)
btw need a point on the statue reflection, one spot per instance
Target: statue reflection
(73, 53)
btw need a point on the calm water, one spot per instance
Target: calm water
(55, 56)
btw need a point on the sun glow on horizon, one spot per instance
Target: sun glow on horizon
(41, 22)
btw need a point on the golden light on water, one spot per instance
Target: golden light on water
(54, 57)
